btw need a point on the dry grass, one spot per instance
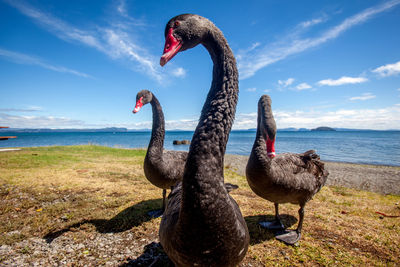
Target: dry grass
(83, 192)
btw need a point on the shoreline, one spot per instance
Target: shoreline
(226, 155)
(381, 179)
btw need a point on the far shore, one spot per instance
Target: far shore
(375, 178)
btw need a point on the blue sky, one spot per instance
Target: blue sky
(79, 64)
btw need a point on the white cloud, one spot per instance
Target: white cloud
(312, 22)
(286, 83)
(250, 62)
(18, 121)
(303, 86)
(253, 89)
(31, 60)
(114, 41)
(183, 124)
(378, 119)
(179, 72)
(52, 122)
(27, 109)
(121, 8)
(363, 97)
(343, 80)
(388, 70)
(120, 46)
(267, 91)
(245, 51)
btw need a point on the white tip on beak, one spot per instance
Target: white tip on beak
(136, 109)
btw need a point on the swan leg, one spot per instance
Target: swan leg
(301, 218)
(276, 224)
(164, 194)
(290, 237)
(159, 213)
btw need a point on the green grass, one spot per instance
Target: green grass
(82, 191)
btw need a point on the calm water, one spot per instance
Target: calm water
(373, 147)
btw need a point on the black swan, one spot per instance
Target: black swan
(202, 224)
(286, 178)
(162, 169)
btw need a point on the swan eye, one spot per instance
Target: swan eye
(176, 24)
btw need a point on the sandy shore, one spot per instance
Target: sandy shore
(375, 178)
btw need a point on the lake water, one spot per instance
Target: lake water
(371, 147)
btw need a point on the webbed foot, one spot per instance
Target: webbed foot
(289, 237)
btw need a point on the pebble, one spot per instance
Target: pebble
(67, 250)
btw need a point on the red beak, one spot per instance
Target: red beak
(171, 48)
(270, 148)
(139, 104)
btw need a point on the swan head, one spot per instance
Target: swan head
(142, 98)
(267, 124)
(183, 32)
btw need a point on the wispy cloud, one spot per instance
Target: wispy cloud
(303, 86)
(252, 89)
(31, 60)
(388, 70)
(122, 10)
(286, 83)
(53, 122)
(179, 72)
(121, 7)
(27, 109)
(250, 62)
(363, 97)
(312, 22)
(114, 41)
(378, 119)
(18, 121)
(343, 80)
(56, 26)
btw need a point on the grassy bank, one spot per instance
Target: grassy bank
(89, 204)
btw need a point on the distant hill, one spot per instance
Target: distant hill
(292, 129)
(323, 128)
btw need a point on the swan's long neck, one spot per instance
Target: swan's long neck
(156, 144)
(259, 160)
(259, 149)
(203, 181)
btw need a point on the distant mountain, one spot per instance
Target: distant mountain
(323, 128)
(139, 130)
(358, 130)
(292, 129)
